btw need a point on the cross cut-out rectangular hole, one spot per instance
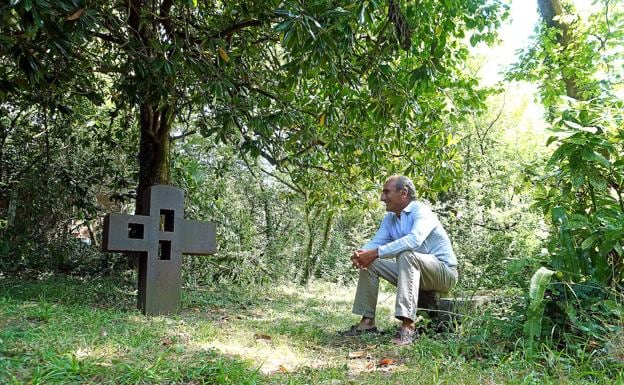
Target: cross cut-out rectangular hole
(166, 220)
(135, 230)
(164, 250)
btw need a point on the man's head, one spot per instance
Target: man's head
(397, 193)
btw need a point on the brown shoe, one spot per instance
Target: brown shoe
(404, 336)
(354, 331)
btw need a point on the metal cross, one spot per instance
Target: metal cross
(161, 237)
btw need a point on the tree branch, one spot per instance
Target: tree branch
(183, 135)
(504, 228)
(235, 28)
(165, 19)
(108, 38)
(275, 97)
(291, 186)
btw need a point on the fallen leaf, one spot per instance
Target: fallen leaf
(386, 362)
(282, 369)
(357, 354)
(262, 337)
(75, 15)
(370, 365)
(184, 337)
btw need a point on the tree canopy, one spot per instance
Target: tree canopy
(340, 90)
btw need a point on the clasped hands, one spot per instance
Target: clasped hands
(362, 258)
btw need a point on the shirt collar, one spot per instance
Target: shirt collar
(410, 207)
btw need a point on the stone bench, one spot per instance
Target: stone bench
(444, 307)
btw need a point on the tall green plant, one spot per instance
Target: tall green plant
(535, 310)
(581, 192)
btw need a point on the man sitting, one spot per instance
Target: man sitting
(411, 250)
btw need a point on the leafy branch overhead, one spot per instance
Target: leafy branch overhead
(282, 81)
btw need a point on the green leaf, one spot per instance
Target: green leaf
(283, 26)
(537, 288)
(567, 260)
(600, 159)
(535, 310)
(588, 242)
(550, 140)
(363, 13)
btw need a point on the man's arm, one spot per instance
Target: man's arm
(382, 236)
(363, 257)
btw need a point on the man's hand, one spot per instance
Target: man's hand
(361, 258)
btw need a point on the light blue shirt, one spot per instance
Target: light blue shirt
(417, 229)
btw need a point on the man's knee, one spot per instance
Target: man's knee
(373, 268)
(406, 254)
(409, 258)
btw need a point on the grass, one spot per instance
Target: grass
(76, 331)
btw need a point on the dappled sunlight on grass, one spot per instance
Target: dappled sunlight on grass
(269, 357)
(233, 335)
(290, 328)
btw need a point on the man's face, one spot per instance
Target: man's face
(395, 200)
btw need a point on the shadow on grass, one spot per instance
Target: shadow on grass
(68, 330)
(101, 293)
(64, 330)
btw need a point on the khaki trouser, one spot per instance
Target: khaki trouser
(409, 272)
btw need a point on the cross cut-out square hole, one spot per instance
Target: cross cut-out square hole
(135, 230)
(166, 220)
(164, 250)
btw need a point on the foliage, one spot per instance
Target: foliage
(331, 95)
(257, 218)
(581, 193)
(488, 212)
(262, 229)
(58, 171)
(281, 81)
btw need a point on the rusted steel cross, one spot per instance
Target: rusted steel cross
(161, 237)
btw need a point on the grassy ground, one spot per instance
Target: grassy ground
(70, 331)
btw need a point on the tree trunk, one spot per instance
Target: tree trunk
(549, 9)
(154, 152)
(270, 229)
(154, 158)
(312, 259)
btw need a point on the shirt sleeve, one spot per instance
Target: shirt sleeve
(424, 223)
(381, 238)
